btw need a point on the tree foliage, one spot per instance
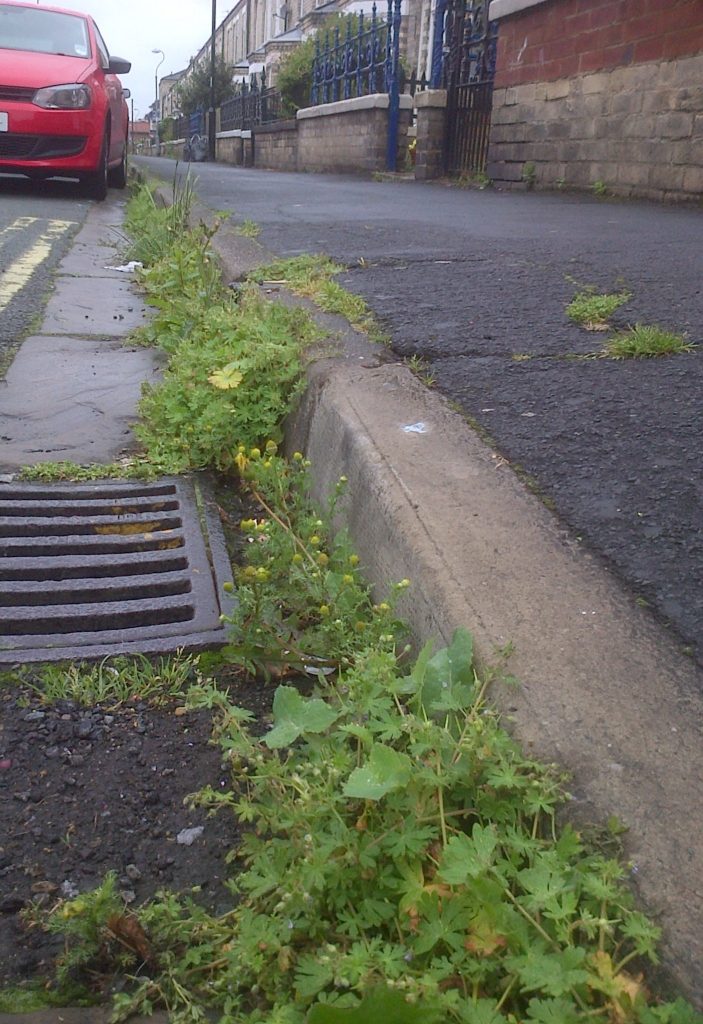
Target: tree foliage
(195, 90)
(294, 78)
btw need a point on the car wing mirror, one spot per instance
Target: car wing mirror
(126, 93)
(119, 66)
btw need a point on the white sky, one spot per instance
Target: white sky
(133, 28)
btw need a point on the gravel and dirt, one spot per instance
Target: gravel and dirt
(87, 790)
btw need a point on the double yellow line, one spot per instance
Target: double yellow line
(17, 275)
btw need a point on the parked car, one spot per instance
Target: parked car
(62, 107)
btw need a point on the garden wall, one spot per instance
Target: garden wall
(348, 137)
(276, 146)
(599, 92)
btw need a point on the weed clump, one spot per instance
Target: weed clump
(646, 341)
(593, 310)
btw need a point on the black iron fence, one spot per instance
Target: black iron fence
(254, 103)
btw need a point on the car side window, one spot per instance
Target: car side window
(102, 50)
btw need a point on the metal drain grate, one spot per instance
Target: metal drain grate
(109, 568)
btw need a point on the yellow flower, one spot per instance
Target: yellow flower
(347, 578)
(241, 461)
(262, 574)
(322, 559)
(255, 453)
(297, 456)
(324, 610)
(271, 447)
(297, 558)
(353, 559)
(314, 541)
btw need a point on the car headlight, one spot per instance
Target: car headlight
(63, 97)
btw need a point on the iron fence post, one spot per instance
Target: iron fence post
(394, 93)
(438, 45)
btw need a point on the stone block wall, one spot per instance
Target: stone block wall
(276, 146)
(431, 126)
(350, 136)
(230, 148)
(600, 91)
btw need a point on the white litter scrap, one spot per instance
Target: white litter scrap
(187, 836)
(128, 268)
(415, 428)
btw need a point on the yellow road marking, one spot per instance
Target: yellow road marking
(18, 225)
(19, 273)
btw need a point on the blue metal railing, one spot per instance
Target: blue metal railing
(357, 61)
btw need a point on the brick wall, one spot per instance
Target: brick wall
(609, 91)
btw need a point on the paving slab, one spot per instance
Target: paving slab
(71, 398)
(94, 306)
(92, 260)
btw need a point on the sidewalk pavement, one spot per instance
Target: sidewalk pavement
(603, 690)
(73, 388)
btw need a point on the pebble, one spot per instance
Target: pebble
(34, 716)
(132, 872)
(51, 753)
(11, 905)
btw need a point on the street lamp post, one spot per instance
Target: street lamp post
(212, 143)
(156, 93)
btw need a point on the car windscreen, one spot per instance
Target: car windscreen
(30, 28)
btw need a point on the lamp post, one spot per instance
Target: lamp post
(156, 94)
(212, 143)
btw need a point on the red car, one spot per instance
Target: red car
(62, 108)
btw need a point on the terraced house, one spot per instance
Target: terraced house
(599, 94)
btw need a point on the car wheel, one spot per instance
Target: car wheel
(117, 176)
(95, 184)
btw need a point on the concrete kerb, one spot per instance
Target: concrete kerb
(603, 689)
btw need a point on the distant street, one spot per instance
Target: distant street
(475, 283)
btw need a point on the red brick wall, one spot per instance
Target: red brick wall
(567, 38)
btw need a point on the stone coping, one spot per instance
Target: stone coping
(376, 101)
(431, 98)
(234, 133)
(504, 8)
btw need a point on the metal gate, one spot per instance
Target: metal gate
(466, 68)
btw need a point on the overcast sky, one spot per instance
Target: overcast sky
(133, 28)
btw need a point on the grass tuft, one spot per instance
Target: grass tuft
(646, 341)
(593, 310)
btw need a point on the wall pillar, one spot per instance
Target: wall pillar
(431, 109)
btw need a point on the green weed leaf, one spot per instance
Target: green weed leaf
(379, 1007)
(294, 716)
(446, 681)
(385, 770)
(468, 856)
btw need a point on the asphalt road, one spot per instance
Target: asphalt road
(475, 282)
(36, 226)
